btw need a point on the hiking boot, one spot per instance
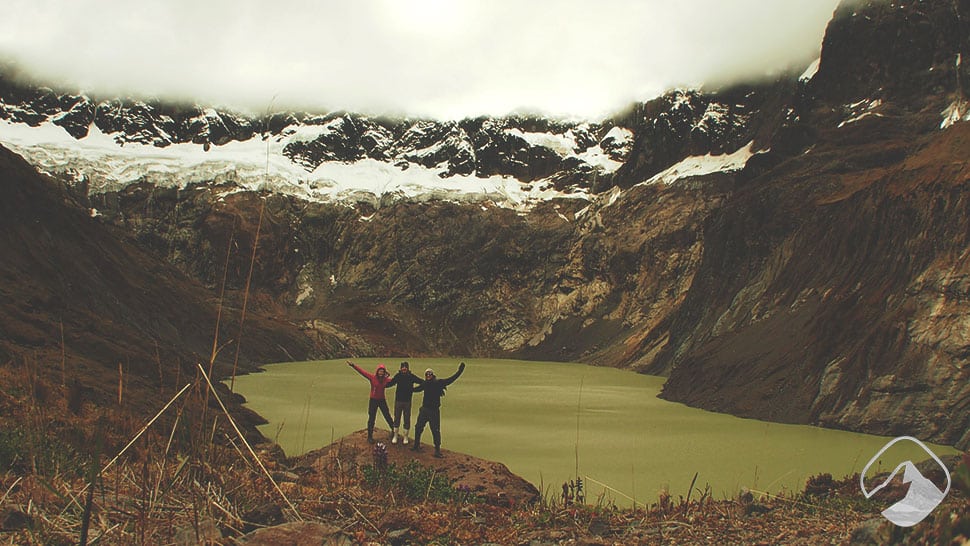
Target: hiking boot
(393, 435)
(370, 436)
(416, 446)
(404, 437)
(437, 452)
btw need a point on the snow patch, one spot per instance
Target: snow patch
(596, 157)
(861, 110)
(613, 195)
(563, 145)
(682, 98)
(621, 136)
(309, 133)
(259, 165)
(306, 291)
(810, 71)
(957, 111)
(703, 165)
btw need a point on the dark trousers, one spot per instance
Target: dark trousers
(431, 417)
(402, 407)
(372, 408)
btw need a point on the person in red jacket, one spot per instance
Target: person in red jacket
(378, 382)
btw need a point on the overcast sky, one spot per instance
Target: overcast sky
(440, 58)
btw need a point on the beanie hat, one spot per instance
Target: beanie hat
(429, 371)
(405, 365)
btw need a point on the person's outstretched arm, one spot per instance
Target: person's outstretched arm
(361, 371)
(450, 380)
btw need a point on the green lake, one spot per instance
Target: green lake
(546, 419)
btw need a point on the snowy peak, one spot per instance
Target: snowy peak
(445, 147)
(521, 147)
(687, 123)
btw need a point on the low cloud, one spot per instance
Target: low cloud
(441, 58)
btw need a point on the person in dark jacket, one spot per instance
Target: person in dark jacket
(430, 412)
(405, 382)
(379, 380)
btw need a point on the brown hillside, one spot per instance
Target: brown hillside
(64, 271)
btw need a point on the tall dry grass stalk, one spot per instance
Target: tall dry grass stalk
(249, 280)
(222, 294)
(121, 383)
(146, 427)
(252, 452)
(306, 422)
(579, 407)
(63, 357)
(92, 478)
(216, 349)
(158, 366)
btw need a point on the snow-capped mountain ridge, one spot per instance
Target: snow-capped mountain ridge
(532, 155)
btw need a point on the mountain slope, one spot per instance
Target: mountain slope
(831, 285)
(66, 274)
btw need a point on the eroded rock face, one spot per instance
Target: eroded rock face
(828, 288)
(847, 308)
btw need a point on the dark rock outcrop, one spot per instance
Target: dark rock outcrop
(913, 49)
(490, 481)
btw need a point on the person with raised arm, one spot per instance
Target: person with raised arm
(379, 380)
(430, 412)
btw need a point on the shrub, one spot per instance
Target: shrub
(415, 482)
(22, 451)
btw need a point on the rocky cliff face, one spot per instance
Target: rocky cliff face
(830, 284)
(792, 250)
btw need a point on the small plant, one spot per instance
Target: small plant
(39, 451)
(573, 492)
(415, 482)
(819, 485)
(380, 456)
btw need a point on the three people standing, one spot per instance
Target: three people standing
(407, 384)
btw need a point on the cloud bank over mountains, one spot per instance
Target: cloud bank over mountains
(437, 58)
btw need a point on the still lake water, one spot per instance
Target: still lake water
(545, 419)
